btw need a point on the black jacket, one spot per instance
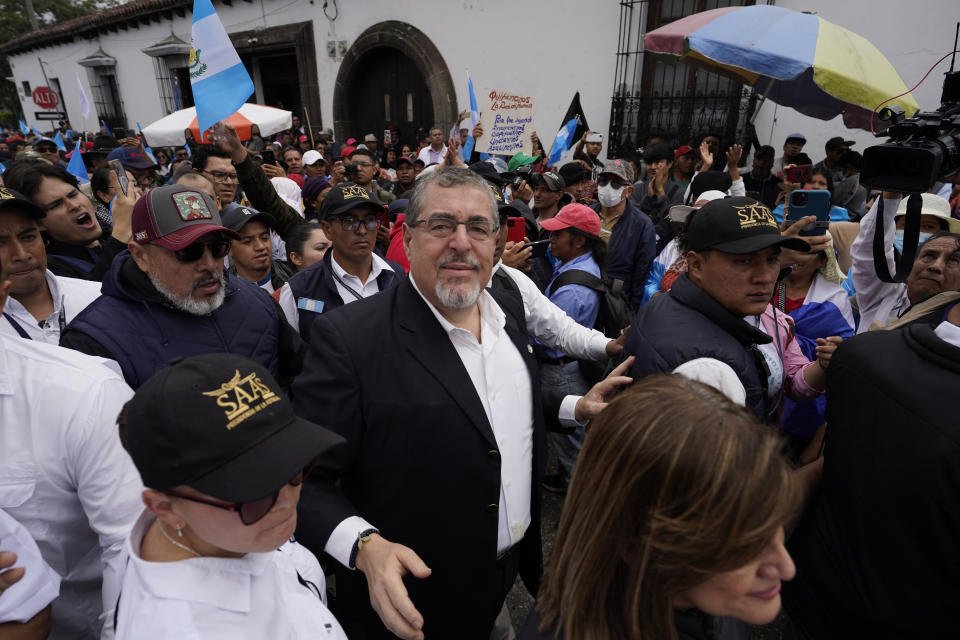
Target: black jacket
(421, 462)
(687, 323)
(72, 261)
(630, 251)
(691, 624)
(877, 549)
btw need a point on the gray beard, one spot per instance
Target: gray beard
(454, 299)
(189, 304)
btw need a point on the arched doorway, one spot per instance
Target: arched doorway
(392, 74)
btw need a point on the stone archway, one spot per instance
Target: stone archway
(415, 45)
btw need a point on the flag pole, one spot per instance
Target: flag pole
(306, 115)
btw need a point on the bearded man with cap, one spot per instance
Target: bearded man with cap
(211, 556)
(713, 311)
(168, 296)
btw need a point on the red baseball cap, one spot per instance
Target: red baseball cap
(175, 216)
(682, 150)
(576, 215)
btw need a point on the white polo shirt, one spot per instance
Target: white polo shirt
(64, 475)
(70, 297)
(280, 594)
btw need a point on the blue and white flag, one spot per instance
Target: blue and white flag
(147, 150)
(59, 140)
(84, 102)
(35, 132)
(562, 142)
(219, 80)
(76, 166)
(24, 129)
(467, 149)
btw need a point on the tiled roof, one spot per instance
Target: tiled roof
(86, 26)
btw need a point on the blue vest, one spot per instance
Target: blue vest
(144, 336)
(685, 324)
(316, 283)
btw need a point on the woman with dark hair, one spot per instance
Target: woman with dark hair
(313, 192)
(223, 458)
(673, 525)
(306, 245)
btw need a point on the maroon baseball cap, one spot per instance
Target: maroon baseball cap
(175, 216)
(682, 150)
(576, 215)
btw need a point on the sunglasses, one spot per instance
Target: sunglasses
(219, 247)
(249, 512)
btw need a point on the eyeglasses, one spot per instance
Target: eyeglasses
(219, 247)
(220, 177)
(365, 165)
(349, 223)
(249, 512)
(445, 226)
(45, 149)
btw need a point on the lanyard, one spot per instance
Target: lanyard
(343, 284)
(16, 326)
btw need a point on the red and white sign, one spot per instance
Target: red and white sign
(46, 98)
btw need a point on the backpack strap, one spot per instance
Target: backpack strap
(576, 276)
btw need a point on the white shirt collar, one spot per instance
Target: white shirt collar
(218, 582)
(379, 265)
(491, 315)
(948, 332)
(14, 306)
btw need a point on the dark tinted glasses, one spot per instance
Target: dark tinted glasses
(219, 247)
(249, 512)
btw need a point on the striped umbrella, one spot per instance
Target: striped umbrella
(798, 60)
(168, 131)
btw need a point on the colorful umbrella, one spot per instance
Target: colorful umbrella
(169, 130)
(798, 60)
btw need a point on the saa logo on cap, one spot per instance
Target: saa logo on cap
(355, 191)
(755, 215)
(242, 397)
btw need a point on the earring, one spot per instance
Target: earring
(180, 530)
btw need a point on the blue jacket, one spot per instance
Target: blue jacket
(316, 282)
(135, 325)
(687, 323)
(630, 251)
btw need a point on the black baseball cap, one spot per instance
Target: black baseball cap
(220, 424)
(836, 142)
(236, 217)
(10, 199)
(737, 225)
(346, 196)
(489, 173)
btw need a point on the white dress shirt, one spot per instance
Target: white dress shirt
(878, 301)
(428, 156)
(502, 382)
(551, 325)
(70, 297)
(39, 585)
(366, 289)
(948, 332)
(64, 475)
(254, 597)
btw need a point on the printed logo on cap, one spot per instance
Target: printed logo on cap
(355, 191)
(755, 215)
(242, 396)
(140, 236)
(190, 206)
(5, 194)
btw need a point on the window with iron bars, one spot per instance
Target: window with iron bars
(106, 97)
(659, 97)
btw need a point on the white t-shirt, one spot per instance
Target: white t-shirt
(39, 585)
(280, 594)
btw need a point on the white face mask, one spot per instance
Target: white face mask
(610, 195)
(898, 239)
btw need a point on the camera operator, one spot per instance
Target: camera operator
(934, 271)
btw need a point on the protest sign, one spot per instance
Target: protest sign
(507, 121)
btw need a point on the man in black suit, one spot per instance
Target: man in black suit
(432, 384)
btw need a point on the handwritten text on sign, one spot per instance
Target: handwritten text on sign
(507, 123)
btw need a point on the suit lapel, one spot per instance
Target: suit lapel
(431, 347)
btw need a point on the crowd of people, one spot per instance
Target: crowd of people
(235, 370)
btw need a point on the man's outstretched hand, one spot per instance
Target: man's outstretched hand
(384, 564)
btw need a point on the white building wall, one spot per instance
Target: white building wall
(532, 46)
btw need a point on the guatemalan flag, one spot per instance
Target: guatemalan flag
(562, 142)
(76, 166)
(219, 80)
(467, 149)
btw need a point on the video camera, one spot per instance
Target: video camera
(924, 149)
